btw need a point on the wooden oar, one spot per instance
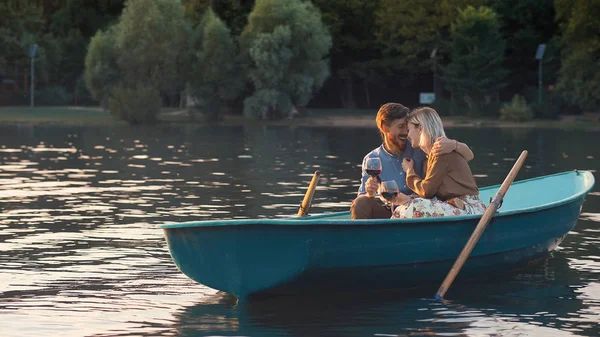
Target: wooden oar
(306, 203)
(485, 219)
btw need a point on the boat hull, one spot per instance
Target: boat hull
(272, 257)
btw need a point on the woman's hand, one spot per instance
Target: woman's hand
(371, 186)
(443, 145)
(407, 164)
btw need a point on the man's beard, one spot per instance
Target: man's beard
(397, 143)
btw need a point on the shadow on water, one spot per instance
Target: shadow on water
(530, 302)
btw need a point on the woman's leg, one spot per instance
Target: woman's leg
(426, 208)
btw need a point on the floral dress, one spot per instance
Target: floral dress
(426, 208)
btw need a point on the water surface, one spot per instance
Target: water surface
(82, 254)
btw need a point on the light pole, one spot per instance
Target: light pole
(539, 55)
(32, 50)
(432, 56)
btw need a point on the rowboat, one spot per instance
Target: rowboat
(255, 257)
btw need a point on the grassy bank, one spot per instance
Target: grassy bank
(311, 117)
(55, 115)
(61, 115)
(366, 117)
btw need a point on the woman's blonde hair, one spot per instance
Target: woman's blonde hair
(431, 123)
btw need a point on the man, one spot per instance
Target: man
(392, 124)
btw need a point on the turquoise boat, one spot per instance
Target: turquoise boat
(256, 257)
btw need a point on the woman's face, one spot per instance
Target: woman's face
(414, 134)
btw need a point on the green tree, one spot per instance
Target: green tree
(216, 76)
(411, 30)
(61, 29)
(20, 26)
(151, 41)
(579, 76)
(143, 55)
(285, 44)
(475, 73)
(356, 55)
(524, 25)
(101, 70)
(233, 12)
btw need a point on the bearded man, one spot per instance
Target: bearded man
(392, 124)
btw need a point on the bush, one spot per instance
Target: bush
(101, 69)
(548, 110)
(138, 105)
(215, 78)
(53, 95)
(490, 110)
(285, 46)
(517, 110)
(82, 95)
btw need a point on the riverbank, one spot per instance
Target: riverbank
(72, 115)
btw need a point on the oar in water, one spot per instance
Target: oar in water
(485, 219)
(306, 203)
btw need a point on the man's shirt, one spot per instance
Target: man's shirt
(391, 166)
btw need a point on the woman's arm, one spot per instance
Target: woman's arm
(464, 150)
(437, 169)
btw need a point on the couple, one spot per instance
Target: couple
(431, 170)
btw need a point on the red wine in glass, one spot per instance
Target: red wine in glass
(373, 167)
(373, 173)
(389, 196)
(389, 190)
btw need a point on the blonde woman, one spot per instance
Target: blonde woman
(448, 187)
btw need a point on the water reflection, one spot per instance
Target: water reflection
(81, 252)
(536, 302)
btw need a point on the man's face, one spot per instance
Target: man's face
(396, 133)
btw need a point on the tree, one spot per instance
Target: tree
(579, 76)
(140, 59)
(151, 41)
(475, 72)
(216, 76)
(234, 13)
(524, 25)
(285, 44)
(20, 27)
(411, 30)
(356, 55)
(101, 70)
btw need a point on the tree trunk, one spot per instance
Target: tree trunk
(347, 94)
(367, 94)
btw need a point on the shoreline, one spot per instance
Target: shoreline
(336, 118)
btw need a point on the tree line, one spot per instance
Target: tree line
(266, 58)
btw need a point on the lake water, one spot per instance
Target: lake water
(82, 254)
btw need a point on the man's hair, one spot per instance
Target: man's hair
(431, 123)
(388, 113)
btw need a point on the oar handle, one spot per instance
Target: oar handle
(306, 203)
(485, 219)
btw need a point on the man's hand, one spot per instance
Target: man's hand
(371, 186)
(443, 145)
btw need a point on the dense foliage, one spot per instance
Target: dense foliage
(263, 58)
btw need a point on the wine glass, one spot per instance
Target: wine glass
(373, 167)
(389, 190)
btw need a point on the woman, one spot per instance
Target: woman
(448, 187)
